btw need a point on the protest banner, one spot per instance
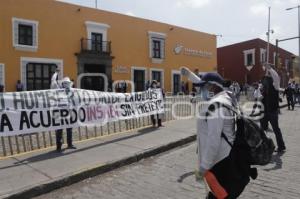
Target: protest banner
(44, 110)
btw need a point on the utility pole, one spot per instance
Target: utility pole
(268, 34)
(298, 7)
(96, 3)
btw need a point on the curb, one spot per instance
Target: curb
(97, 170)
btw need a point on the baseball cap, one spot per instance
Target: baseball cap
(212, 78)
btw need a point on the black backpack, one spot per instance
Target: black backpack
(250, 137)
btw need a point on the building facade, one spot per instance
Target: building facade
(243, 62)
(38, 36)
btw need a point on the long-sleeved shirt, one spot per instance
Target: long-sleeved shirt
(55, 82)
(257, 94)
(212, 148)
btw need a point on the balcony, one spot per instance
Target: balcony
(89, 46)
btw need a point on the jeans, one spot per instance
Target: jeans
(153, 119)
(272, 117)
(58, 134)
(290, 101)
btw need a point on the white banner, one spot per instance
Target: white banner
(44, 110)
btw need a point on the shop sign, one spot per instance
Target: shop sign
(121, 69)
(180, 49)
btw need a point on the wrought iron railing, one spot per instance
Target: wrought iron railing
(96, 47)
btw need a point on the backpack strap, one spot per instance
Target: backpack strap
(230, 109)
(226, 139)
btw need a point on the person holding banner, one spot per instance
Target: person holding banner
(154, 85)
(66, 84)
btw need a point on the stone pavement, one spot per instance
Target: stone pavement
(38, 172)
(170, 175)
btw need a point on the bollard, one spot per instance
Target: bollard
(50, 137)
(37, 140)
(3, 146)
(44, 139)
(17, 144)
(10, 145)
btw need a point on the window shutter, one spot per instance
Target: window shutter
(23, 73)
(162, 48)
(16, 32)
(151, 47)
(34, 34)
(245, 59)
(2, 74)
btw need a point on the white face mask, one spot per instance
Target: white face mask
(206, 94)
(67, 85)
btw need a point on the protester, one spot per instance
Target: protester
(183, 87)
(148, 85)
(213, 150)
(289, 92)
(257, 100)
(19, 86)
(246, 87)
(236, 90)
(1, 88)
(67, 85)
(55, 79)
(227, 84)
(214, 161)
(297, 94)
(154, 84)
(271, 82)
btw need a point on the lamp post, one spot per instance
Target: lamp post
(268, 35)
(298, 7)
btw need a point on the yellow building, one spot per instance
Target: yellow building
(38, 35)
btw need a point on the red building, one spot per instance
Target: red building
(243, 62)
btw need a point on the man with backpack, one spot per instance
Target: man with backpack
(228, 142)
(225, 176)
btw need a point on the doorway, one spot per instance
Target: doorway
(91, 82)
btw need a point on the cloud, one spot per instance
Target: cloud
(130, 14)
(192, 3)
(259, 9)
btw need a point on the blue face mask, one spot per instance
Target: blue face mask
(205, 94)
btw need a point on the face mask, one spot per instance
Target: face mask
(206, 94)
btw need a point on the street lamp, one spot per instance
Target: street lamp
(298, 22)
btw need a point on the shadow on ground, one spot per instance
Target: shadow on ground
(54, 154)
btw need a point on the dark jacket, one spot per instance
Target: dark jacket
(289, 92)
(270, 96)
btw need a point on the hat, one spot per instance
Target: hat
(212, 78)
(66, 79)
(154, 82)
(66, 82)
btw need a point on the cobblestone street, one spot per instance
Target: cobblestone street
(170, 175)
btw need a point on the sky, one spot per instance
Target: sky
(234, 20)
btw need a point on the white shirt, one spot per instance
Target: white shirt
(212, 148)
(55, 82)
(257, 94)
(275, 77)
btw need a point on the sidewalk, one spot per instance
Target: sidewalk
(39, 172)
